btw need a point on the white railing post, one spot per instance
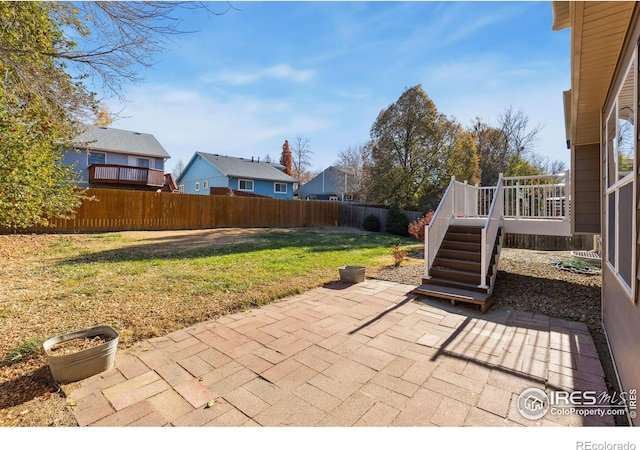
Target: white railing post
(518, 195)
(465, 198)
(427, 266)
(483, 259)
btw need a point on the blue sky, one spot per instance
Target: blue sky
(270, 71)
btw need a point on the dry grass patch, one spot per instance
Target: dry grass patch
(146, 284)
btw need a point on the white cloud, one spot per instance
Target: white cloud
(277, 72)
(186, 121)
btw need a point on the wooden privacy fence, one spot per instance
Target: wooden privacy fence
(122, 210)
(353, 215)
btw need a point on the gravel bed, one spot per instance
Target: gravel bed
(528, 281)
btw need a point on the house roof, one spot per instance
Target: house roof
(246, 168)
(120, 141)
(597, 34)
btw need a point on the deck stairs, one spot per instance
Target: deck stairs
(455, 273)
(465, 235)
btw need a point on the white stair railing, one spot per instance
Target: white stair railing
(434, 232)
(459, 200)
(490, 231)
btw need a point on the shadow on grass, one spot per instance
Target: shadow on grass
(189, 246)
(27, 387)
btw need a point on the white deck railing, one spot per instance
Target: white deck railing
(532, 197)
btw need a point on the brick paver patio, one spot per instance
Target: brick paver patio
(368, 354)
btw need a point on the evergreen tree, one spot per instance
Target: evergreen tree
(287, 159)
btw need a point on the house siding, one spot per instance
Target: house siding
(586, 189)
(622, 327)
(621, 308)
(200, 171)
(330, 181)
(264, 187)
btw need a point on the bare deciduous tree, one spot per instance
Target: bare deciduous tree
(301, 153)
(178, 169)
(356, 159)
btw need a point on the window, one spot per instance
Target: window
(96, 158)
(280, 188)
(205, 184)
(181, 188)
(245, 185)
(620, 147)
(197, 186)
(144, 162)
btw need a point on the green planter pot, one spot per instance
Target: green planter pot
(84, 363)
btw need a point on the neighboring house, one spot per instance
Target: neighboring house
(334, 183)
(206, 170)
(600, 112)
(118, 159)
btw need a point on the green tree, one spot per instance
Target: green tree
(42, 107)
(414, 152)
(404, 153)
(35, 119)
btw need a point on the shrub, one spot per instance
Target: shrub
(371, 223)
(397, 222)
(398, 255)
(416, 228)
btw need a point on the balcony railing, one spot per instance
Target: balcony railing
(125, 175)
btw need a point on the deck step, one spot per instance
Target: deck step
(455, 275)
(459, 255)
(457, 264)
(437, 281)
(467, 229)
(463, 246)
(462, 237)
(456, 295)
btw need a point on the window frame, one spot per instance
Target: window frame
(149, 166)
(197, 186)
(615, 184)
(278, 183)
(89, 153)
(245, 180)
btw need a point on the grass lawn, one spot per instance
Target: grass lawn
(147, 284)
